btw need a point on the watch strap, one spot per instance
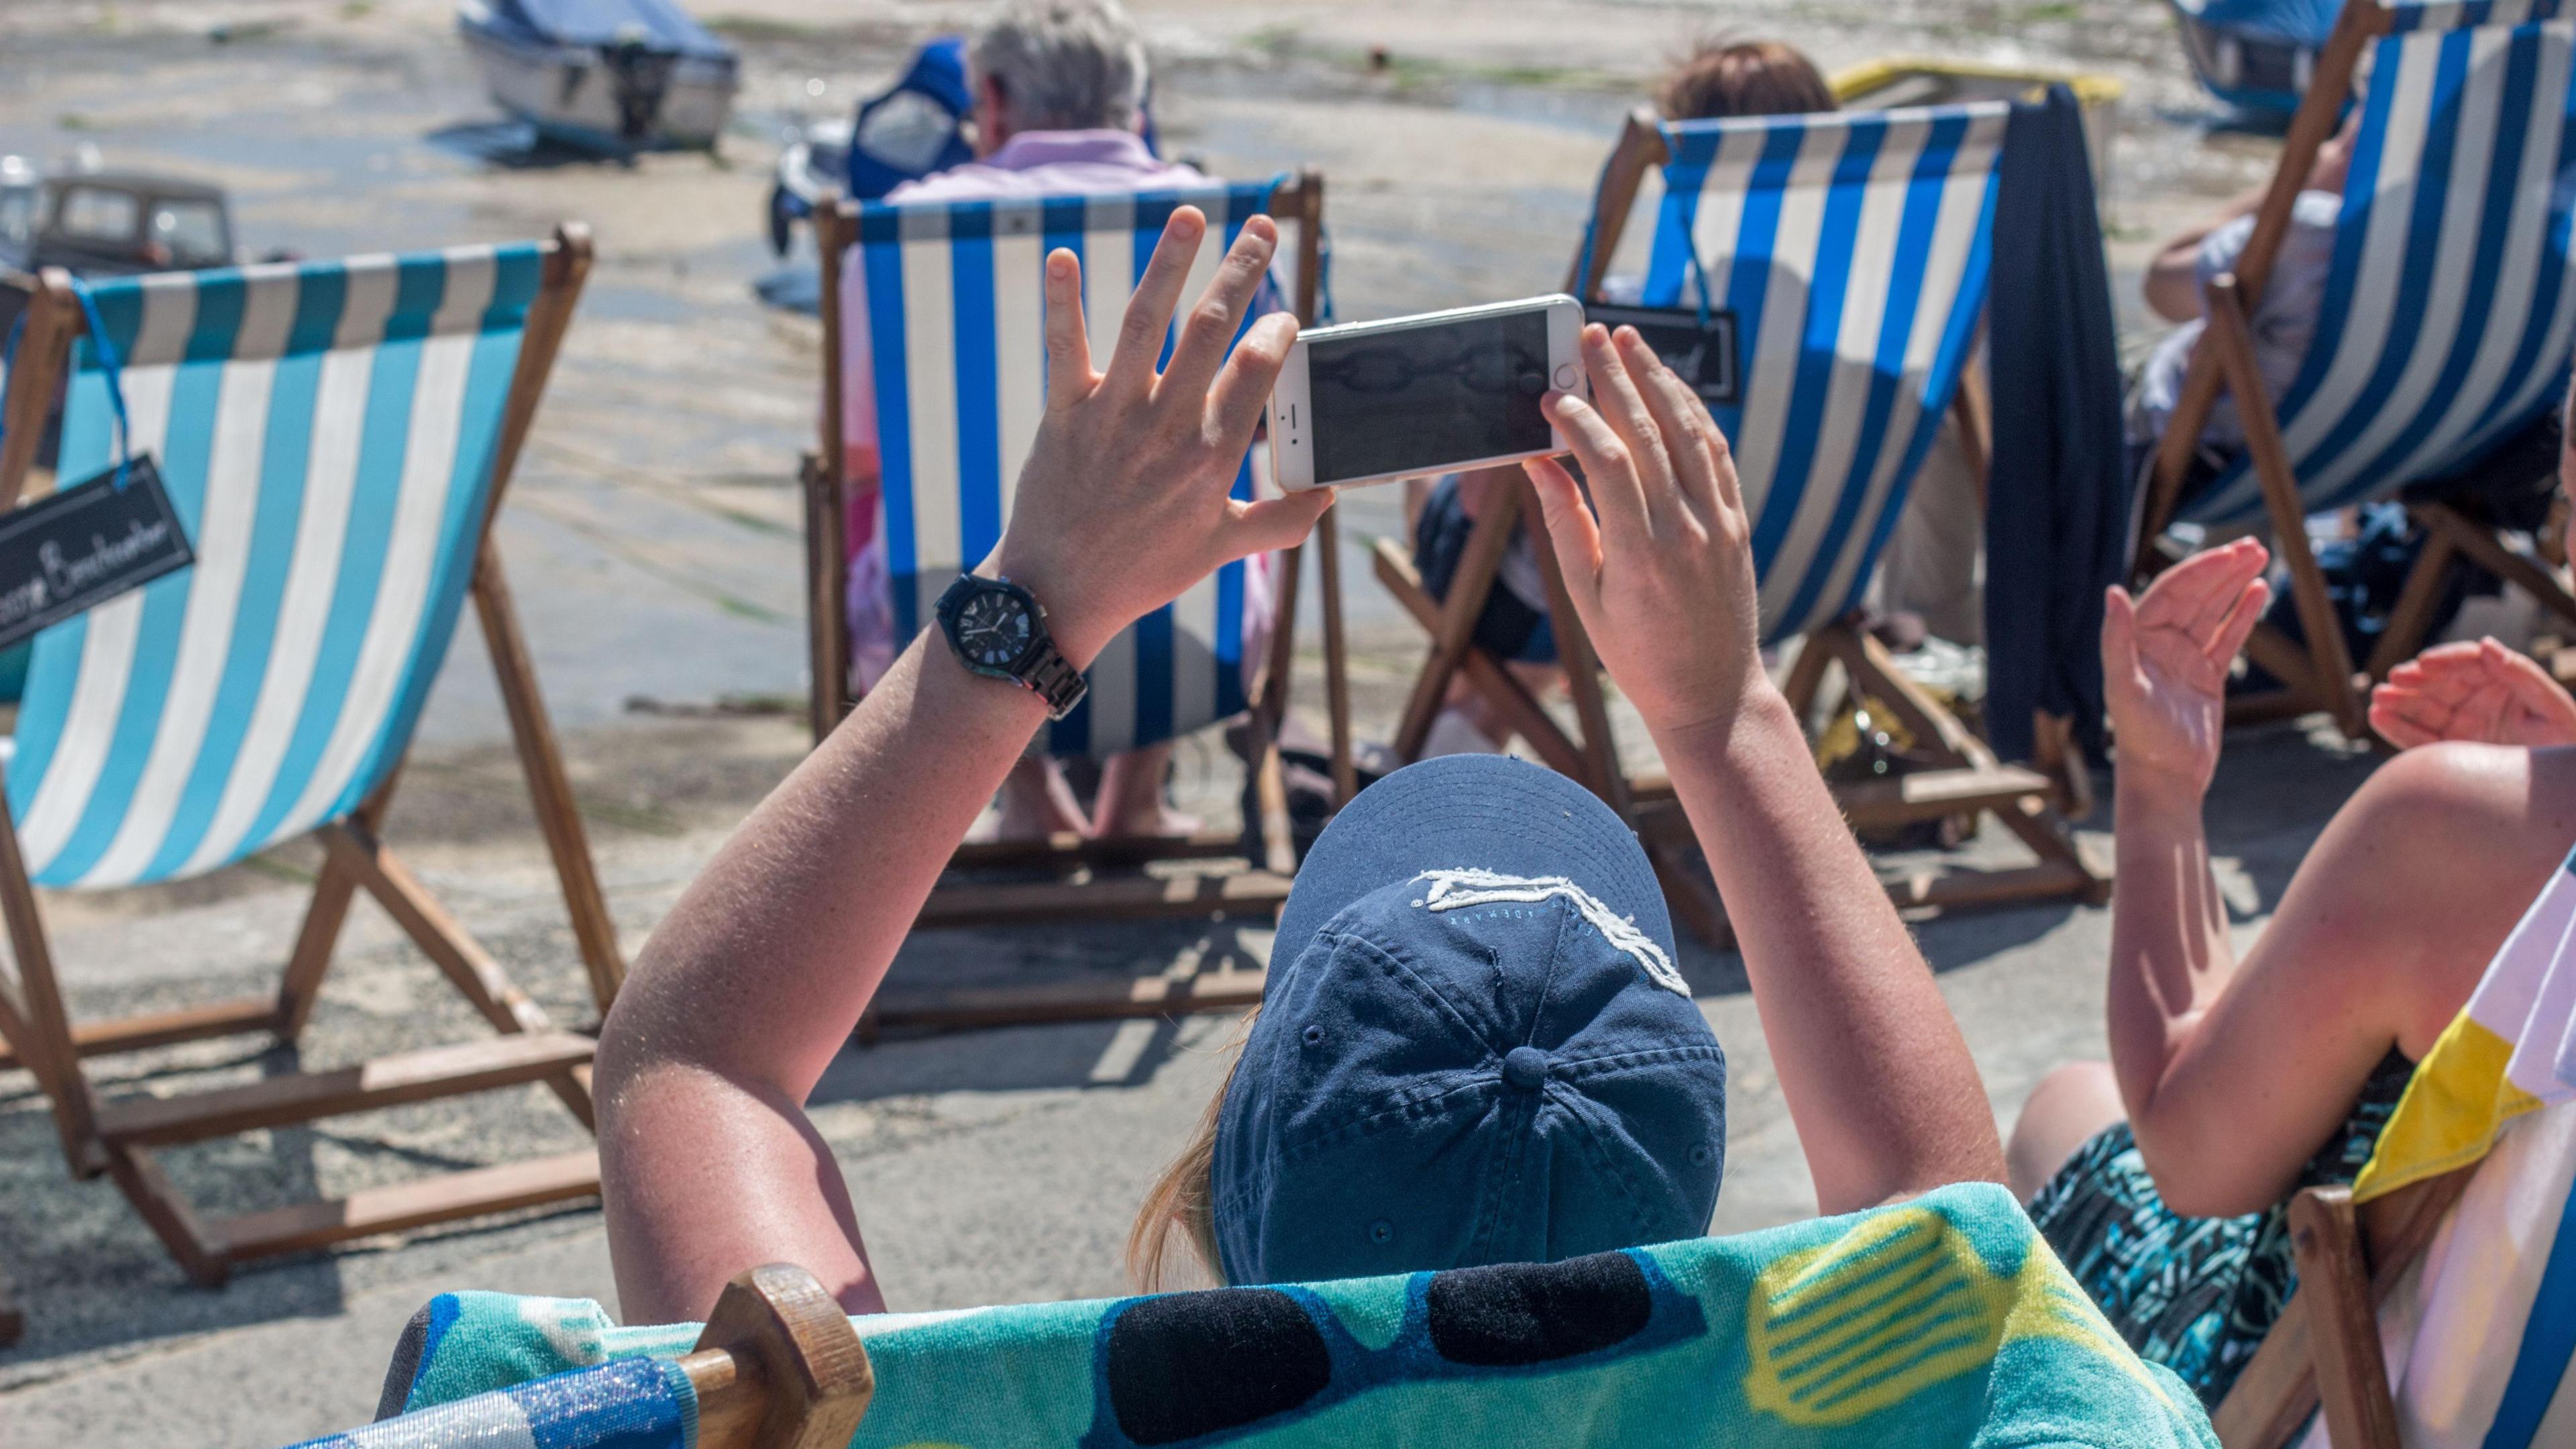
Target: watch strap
(1053, 678)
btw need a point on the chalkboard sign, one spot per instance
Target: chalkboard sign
(70, 553)
(1700, 349)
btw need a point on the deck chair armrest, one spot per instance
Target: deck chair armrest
(778, 1366)
(2343, 1315)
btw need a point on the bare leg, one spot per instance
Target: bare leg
(2069, 1107)
(1036, 803)
(1131, 796)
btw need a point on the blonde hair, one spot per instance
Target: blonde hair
(1181, 1203)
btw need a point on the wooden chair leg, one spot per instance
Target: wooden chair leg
(1483, 673)
(2403, 635)
(41, 1033)
(2334, 1276)
(167, 1213)
(457, 954)
(778, 1366)
(1477, 570)
(2331, 662)
(2490, 552)
(549, 787)
(827, 643)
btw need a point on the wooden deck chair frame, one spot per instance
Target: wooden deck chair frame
(118, 1136)
(1109, 886)
(2324, 1350)
(1969, 779)
(2321, 675)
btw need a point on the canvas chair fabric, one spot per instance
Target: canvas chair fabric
(326, 432)
(1853, 249)
(2449, 308)
(1944, 1321)
(956, 310)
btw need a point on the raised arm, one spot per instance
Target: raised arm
(2234, 1071)
(1886, 1099)
(756, 978)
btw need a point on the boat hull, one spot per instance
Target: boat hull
(569, 93)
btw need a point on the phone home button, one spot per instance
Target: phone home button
(1565, 377)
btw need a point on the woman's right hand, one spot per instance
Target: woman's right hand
(2165, 657)
(1662, 578)
(2476, 690)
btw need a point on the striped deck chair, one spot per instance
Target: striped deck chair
(2448, 316)
(958, 358)
(335, 437)
(1851, 249)
(2436, 1305)
(777, 1367)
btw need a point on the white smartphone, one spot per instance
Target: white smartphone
(1434, 393)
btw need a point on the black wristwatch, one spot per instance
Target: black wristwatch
(999, 631)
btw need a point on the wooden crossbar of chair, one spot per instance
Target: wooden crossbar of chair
(2324, 1351)
(2318, 674)
(1968, 778)
(118, 1136)
(1090, 879)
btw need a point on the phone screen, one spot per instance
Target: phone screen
(1416, 399)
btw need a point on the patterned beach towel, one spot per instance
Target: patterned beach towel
(1945, 1321)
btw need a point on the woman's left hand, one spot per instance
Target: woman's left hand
(2477, 691)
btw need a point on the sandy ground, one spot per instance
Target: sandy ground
(652, 541)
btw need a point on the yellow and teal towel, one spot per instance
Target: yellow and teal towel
(1945, 1321)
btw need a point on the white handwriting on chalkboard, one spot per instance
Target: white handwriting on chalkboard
(65, 575)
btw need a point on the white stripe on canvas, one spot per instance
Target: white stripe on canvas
(1019, 347)
(1717, 218)
(1194, 667)
(1771, 374)
(321, 529)
(1848, 384)
(222, 546)
(1108, 271)
(429, 478)
(1113, 696)
(930, 391)
(1945, 270)
(169, 314)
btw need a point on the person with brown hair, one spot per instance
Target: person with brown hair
(1716, 79)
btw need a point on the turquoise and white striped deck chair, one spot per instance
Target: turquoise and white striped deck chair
(955, 308)
(2448, 315)
(1851, 251)
(334, 437)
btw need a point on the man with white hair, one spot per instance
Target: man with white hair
(1059, 89)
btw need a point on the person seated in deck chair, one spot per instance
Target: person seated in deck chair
(1475, 1046)
(1929, 571)
(2283, 320)
(2163, 1176)
(1059, 88)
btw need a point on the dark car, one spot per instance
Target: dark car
(102, 223)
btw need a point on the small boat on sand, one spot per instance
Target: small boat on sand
(604, 75)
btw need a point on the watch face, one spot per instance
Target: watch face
(993, 629)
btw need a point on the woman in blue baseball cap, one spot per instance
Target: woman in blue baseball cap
(1474, 1046)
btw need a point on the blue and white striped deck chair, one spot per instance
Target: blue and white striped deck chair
(334, 437)
(955, 307)
(2449, 306)
(1851, 249)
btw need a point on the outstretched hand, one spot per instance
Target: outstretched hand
(1663, 578)
(2165, 657)
(2476, 691)
(1123, 503)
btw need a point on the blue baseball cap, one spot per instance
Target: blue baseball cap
(1473, 1047)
